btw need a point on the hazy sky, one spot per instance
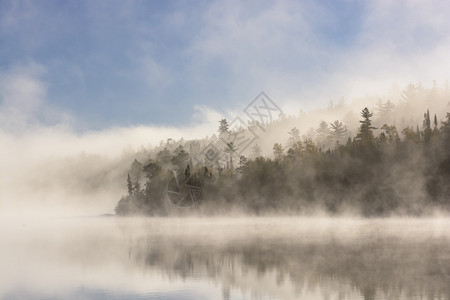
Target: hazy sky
(94, 65)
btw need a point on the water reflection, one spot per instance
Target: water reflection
(375, 259)
(227, 259)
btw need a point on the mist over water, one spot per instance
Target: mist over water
(47, 251)
(225, 258)
(343, 191)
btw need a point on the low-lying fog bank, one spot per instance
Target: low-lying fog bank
(388, 159)
(213, 258)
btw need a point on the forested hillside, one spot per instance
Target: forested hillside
(371, 167)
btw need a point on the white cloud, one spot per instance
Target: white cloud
(399, 42)
(23, 100)
(277, 48)
(22, 95)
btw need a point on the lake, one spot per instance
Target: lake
(224, 258)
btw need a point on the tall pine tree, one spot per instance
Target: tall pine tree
(365, 134)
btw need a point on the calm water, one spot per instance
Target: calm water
(235, 258)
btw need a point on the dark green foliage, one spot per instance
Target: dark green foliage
(427, 131)
(151, 199)
(243, 164)
(129, 185)
(365, 134)
(371, 175)
(278, 151)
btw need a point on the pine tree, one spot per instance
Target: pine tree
(410, 135)
(187, 172)
(223, 127)
(410, 93)
(426, 120)
(136, 170)
(230, 149)
(164, 156)
(180, 158)
(445, 127)
(136, 187)
(256, 151)
(243, 163)
(365, 134)
(295, 151)
(278, 151)
(391, 131)
(385, 112)
(337, 131)
(129, 185)
(388, 106)
(323, 134)
(427, 132)
(294, 136)
(436, 130)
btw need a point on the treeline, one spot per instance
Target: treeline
(406, 172)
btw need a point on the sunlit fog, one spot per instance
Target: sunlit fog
(224, 149)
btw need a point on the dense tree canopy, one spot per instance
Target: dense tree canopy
(373, 175)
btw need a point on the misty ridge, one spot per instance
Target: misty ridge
(52, 171)
(391, 157)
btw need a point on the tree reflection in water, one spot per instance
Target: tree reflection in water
(368, 261)
(225, 258)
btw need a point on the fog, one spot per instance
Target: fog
(225, 258)
(225, 150)
(51, 169)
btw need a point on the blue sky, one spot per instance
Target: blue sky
(94, 65)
